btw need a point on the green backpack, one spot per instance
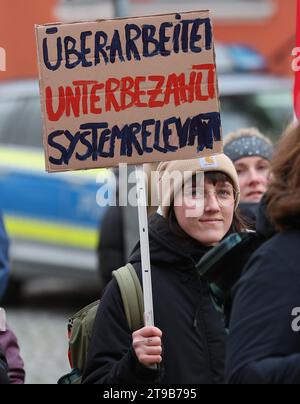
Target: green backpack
(80, 326)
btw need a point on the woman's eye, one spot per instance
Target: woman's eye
(224, 194)
(240, 171)
(263, 168)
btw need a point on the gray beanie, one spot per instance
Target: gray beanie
(248, 143)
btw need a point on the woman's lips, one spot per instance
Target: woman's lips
(255, 194)
(210, 221)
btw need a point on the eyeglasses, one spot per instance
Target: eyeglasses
(224, 197)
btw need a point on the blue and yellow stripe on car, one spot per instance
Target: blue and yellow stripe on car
(58, 209)
(33, 160)
(51, 233)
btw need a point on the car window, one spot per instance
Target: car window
(278, 106)
(7, 108)
(20, 122)
(271, 113)
(34, 131)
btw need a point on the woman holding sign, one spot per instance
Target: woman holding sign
(188, 342)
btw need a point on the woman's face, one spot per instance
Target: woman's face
(211, 223)
(254, 174)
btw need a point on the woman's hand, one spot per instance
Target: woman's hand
(147, 345)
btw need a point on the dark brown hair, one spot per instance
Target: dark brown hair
(283, 197)
(238, 224)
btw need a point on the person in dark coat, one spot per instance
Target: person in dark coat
(111, 250)
(264, 341)
(188, 340)
(224, 273)
(3, 369)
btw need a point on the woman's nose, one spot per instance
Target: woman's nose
(254, 176)
(211, 202)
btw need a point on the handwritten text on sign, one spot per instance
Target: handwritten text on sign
(135, 91)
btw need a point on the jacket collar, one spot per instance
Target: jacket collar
(169, 249)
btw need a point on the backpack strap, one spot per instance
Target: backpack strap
(132, 296)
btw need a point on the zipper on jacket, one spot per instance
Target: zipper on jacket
(199, 313)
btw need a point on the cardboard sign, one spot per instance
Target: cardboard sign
(130, 91)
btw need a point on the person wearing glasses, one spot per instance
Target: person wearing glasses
(198, 208)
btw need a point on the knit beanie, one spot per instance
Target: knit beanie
(248, 142)
(187, 169)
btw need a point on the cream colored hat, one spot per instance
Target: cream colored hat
(188, 168)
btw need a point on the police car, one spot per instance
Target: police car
(53, 220)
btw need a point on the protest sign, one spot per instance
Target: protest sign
(133, 91)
